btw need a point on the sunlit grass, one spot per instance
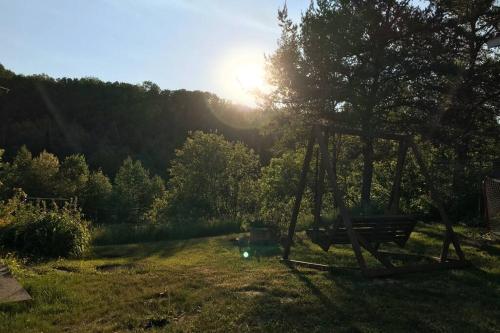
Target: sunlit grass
(207, 285)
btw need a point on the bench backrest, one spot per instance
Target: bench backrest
(375, 229)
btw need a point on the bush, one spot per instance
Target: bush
(96, 197)
(41, 232)
(211, 177)
(134, 192)
(277, 189)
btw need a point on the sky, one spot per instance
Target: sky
(209, 45)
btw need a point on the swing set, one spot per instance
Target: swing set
(368, 232)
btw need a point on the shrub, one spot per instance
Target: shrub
(96, 197)
(41, 232)
(134, 191)
(278, 187)
(211, 177)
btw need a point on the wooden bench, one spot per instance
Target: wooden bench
(374, 229)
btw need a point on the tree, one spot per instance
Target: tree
(350, 61)
(96, 197)
(2, 173)
(459, 94)
(73, 176)
(134, 191)
(43, 175)
(211, 177)
(20, 168)
(36, 176)
(108, 121)
(278, 186)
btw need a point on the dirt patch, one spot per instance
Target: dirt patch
(66, 269)
(115, 267)
(287, 300)
(155, 323)
(252, 293)
(252, 290)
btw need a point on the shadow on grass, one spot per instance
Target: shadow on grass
(405, 301)
(143, 250)
(491, 249)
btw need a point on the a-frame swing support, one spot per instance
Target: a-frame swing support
(357, 241)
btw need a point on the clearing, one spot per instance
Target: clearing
(206, 285)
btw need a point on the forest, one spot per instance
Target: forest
(128, 207)
(136, 155)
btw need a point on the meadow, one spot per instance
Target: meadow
(206, 285)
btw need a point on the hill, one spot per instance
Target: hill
(108, 121)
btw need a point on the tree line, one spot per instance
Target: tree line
(108, 121)
(210, 179)
(370, 65)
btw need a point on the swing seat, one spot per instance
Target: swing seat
(374, 229)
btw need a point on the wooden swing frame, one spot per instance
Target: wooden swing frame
(356, 239)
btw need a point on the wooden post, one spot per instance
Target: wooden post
(332, 177)
(298, 195)
(450, 235)
(393, 206)
(486, 205)
(319, 189)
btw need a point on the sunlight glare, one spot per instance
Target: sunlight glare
(242, 77)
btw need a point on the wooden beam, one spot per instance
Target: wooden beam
(313, 265)
(446, 247)
(383, 260)
(393, 206)
(319, 189)
(437, 202)
(332, 177)
(300, 192)
(320, 267)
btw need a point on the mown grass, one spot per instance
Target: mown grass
(205, 284)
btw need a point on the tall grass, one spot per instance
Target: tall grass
(124, 233)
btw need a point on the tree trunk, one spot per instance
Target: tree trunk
(367, 171)
(459, 170)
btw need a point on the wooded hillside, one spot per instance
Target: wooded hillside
(108, 121)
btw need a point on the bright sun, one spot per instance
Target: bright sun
(242, 77)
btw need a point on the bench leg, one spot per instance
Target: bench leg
(383, 260)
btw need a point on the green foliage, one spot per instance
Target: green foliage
(391, 66)
(108, 121)
(2, 172)
(96, 200)
(42, 175)
(40, 232)
(9, 208)
(134, 191)
(212, 178)
(73, 176)
(277, 188)
(372, 65)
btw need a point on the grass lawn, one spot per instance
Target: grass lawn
(206, 285)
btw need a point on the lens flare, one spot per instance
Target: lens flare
(241, 76)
